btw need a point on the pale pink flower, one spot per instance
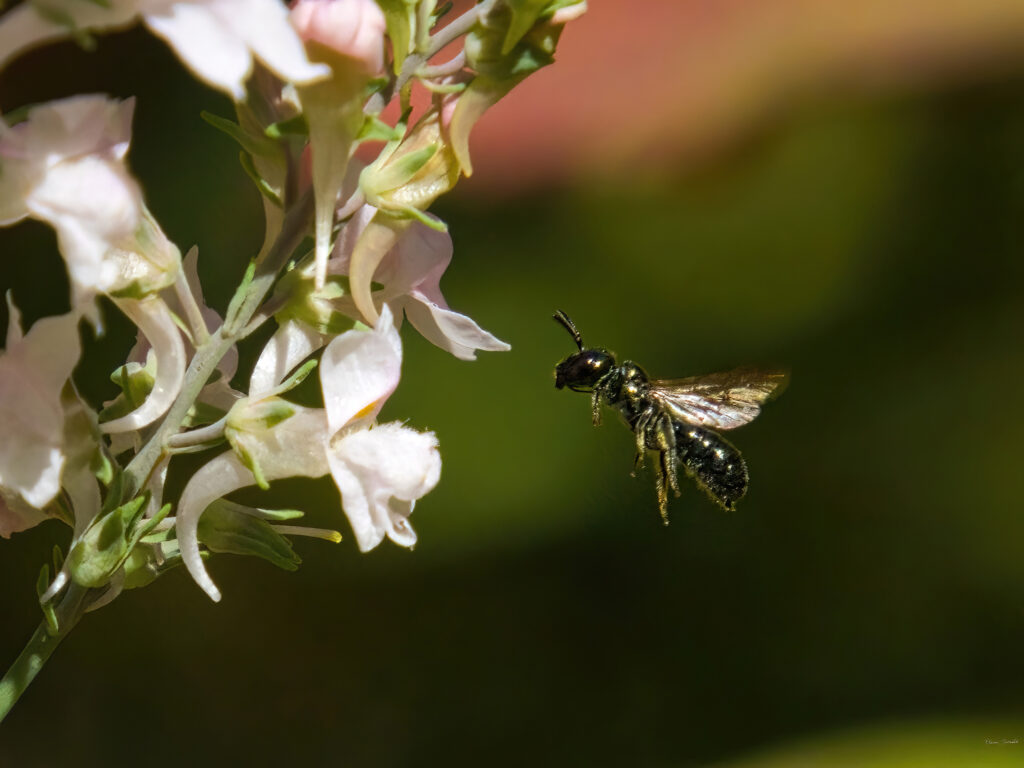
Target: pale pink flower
(380, 470)
(217, 39)
(353, 28)
(34, 367)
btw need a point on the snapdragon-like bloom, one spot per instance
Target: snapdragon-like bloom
(380, 471)
(410, 273)
(65, 165)
(348, 36)
(34, 368)
(353, 28)
(216, 39)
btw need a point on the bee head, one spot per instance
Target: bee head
(580, 372)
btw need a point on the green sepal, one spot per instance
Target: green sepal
(261, 184)
(440, 13)
(293, 126)
(57, 557)
(251, 143)
(200, 414)
(423, 217)
(300, 301)
(151, 523)
(275, 515)
(136, 289)
(525, 14)
(49, 612)
(145, 564)
(398, 15)
(225, 529)
(295, 379)
(240, 293)
(105, 545)
(261, 414)
(248, 461)
(486, 53)
(375, 129)
(374, 85)
(136, 382)
(396, 174)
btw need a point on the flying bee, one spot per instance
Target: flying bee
(674, 417)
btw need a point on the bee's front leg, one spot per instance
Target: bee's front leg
(595, 407)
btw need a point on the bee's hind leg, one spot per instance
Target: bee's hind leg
(667, 478)
(642, 425)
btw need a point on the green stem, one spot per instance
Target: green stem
(39, 648)
(209, 354)
(45, 640)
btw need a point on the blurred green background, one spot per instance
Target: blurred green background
(865, 604)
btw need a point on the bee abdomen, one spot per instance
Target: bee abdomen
(713, 462)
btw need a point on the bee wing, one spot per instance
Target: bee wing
(719, 400)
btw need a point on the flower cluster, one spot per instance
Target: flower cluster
(310, 86)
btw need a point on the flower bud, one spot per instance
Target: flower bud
(352, 28)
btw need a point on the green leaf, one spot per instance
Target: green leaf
(105, 545)
(224, 529)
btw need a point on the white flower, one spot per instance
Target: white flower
(380, 471)
(34, 368)
(410, 272)
(65, 165)
(293, 448)
(16, 515)
(216, 39)
(155, 322)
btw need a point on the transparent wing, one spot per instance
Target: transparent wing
(719, 400)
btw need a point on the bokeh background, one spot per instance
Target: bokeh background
(833, 187)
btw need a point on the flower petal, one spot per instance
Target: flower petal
(23, 27)
(292, 343)
(297, 441)
(380, 473)
(450, 330)
(154, 320)
(217, 39)
(32, 374)
(359, 370)
(206, 46)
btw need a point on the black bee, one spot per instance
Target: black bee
(673, 416)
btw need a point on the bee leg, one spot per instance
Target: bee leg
(665, 438)
(641, 440)
(595, 407)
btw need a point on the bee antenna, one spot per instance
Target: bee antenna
(563, 318)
